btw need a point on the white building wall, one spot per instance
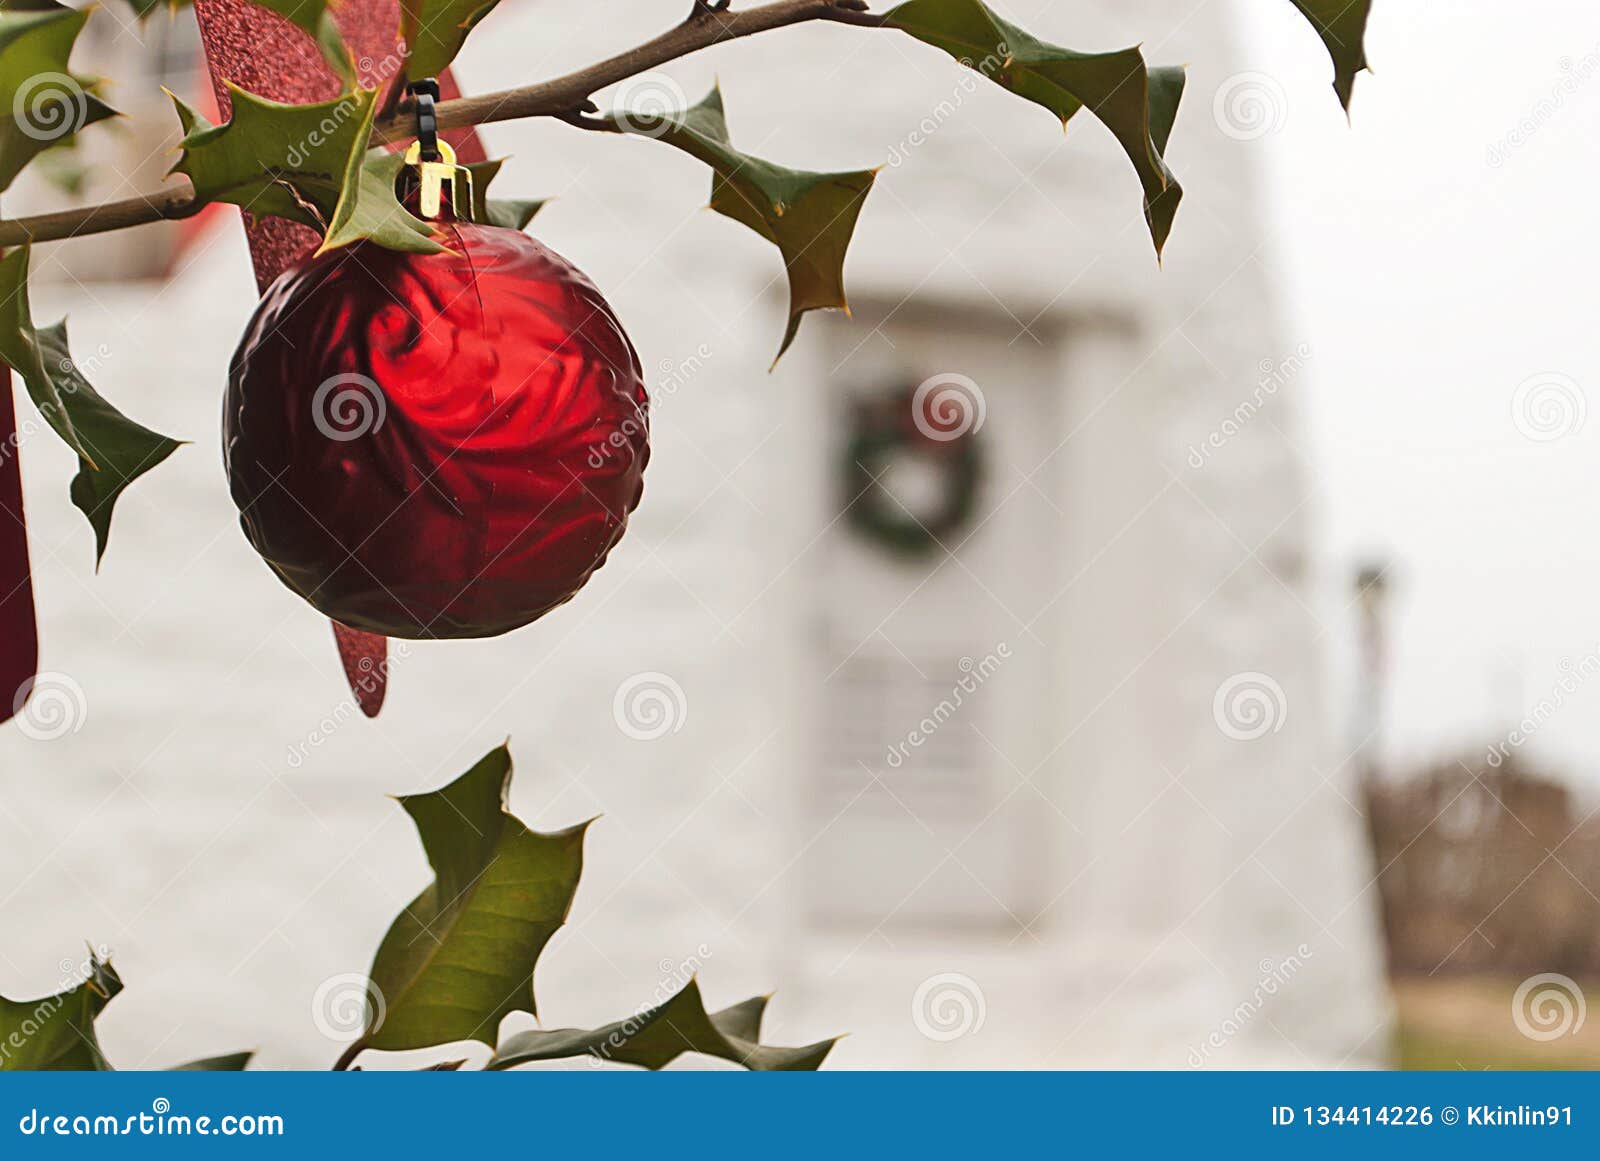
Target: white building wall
(236, 852)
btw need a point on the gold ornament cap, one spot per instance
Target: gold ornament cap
(433, 177)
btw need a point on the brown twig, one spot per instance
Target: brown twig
(706, 26)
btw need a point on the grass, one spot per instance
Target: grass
(1457, 1022)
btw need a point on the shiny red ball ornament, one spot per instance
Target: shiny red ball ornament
(436, 445)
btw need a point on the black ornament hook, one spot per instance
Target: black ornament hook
(424, 94)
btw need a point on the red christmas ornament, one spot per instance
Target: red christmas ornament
(436, 445)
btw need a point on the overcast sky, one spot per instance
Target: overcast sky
(1443, 260)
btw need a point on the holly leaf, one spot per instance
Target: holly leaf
(371, 210)
(1115, 87)
(810, 217)
(1166, 93)
(314, 17)
(657, 1036)
(509, 213)
(232, 1062)
(435, 30)
(57, 1033)
(461, 956)
(41, 102)
(1342, 24)
(61, 167)
(293, 161)
(113, 450)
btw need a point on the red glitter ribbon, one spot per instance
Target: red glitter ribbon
(260, 51)
(19, 634)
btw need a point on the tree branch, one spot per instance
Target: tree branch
(707, 25)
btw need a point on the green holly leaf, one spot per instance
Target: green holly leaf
(657, 1036)
(232, 1062)
(1115, 87)
(373, 211)
(293, 161)
(461, 956)
(1342, 24)
(113, 450)
(810, 217)
(42, 103)
(435, 30)
(314, 17)
(510, 213)
(57, 1033)
(311, 15)
(61, 167)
